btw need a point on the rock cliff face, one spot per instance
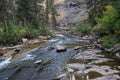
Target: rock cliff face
(71, 11)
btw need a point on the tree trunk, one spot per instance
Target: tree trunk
(5, 25)
(54, 22)
(12, 16)
(24, 21)
(47, 12)
(53, 12)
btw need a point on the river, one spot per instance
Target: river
(81, 64)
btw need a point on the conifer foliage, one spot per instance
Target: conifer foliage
(29, 17)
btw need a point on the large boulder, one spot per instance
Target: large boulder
(61, 48)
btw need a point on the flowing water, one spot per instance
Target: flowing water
(68, 65)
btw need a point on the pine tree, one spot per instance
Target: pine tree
(29, 12)
(47, 12)
(11, 11)
(96, 8)
(3, 13)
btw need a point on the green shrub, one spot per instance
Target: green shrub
(45, 31)
(82, 27)
(106, 24)
(117, 29)
(12, 37)
(15, 33)
(109, 41)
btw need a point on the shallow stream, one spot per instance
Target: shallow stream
(85, 63)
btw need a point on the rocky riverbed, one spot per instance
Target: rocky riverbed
(46, 63)
(64, 57)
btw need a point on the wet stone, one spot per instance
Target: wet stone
(77, 48)
(38, 62)
(50, 48)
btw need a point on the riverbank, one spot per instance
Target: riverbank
(79, 60)
(8, 51)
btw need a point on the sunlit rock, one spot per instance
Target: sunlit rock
(38, 62)
(77, 48)
(61, 48)
(70, 70)
(76, 66)
(42, 37)
(25, 41)
(89, 54)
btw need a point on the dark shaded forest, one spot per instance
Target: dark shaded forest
(24, 19)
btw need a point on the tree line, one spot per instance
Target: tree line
(25, 17)
(104, 16)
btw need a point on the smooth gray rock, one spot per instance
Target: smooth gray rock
(61, 48)
(77, 48)
(116, 48)
(59, 77)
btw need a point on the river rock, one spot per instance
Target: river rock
(59, 77)
(43, 37)
(38, 62)
(118, 55)
(25, 41)
(50, 48)
(76, 66)
(61, 48)
(99, 46)
(77, 47)
(116, 48)
(18, 50)
(70, 70)
(88, 54)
